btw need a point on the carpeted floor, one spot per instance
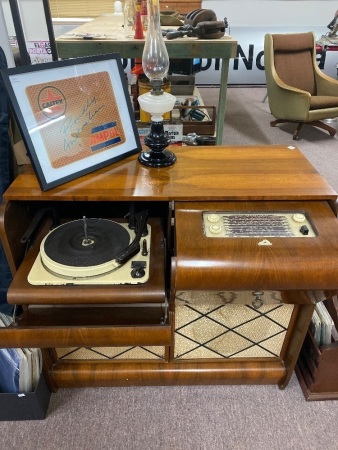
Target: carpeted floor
(179, 418)
(197, 417)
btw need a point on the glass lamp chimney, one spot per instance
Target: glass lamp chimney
(155, 63)
(155, 59)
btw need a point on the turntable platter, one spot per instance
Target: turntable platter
(84, 248)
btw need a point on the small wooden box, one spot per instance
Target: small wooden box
(200, 127)
(317, 366)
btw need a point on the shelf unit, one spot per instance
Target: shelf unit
(317, 367)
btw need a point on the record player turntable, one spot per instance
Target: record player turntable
(114, 254)
(93, 251)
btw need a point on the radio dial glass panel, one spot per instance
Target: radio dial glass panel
(225, 224)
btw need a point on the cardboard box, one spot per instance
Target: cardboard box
(28, 406)
(182, 84)
(174, 131)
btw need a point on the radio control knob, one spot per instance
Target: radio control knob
(213, 218)
(298, 217)
(215, 229)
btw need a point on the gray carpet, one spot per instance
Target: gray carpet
(179, 418)
(197, 418)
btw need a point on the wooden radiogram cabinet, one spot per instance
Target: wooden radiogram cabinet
(224, 303)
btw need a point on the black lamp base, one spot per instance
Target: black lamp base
(154, 159)
(157, 141)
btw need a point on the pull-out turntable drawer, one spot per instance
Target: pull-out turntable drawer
(247, 256)
(89, 326)
(21, 292)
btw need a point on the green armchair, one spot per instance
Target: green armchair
(298, 91)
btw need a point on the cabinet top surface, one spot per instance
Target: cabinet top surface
(200, 173)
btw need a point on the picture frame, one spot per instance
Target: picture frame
(75, 116)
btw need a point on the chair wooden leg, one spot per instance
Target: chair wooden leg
(332, 131)
(297, 131)
(316, 123)
(295, 134)
(277, 121)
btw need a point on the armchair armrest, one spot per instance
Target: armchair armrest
(326, 85)
(287, 102)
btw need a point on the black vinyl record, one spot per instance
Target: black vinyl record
(86, 242)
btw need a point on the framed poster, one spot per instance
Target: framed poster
(75, 116)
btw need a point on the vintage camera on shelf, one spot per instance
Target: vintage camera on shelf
(189, 113)
(195, 139)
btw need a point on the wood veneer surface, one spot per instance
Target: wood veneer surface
(202, 173)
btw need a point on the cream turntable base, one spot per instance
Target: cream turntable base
(92, 251)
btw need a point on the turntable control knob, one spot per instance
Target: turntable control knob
(213, 218)
(215, 229)
(298, 217)
(138, 269)
(138, 273)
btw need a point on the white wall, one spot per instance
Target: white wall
(34, 28)
(239, 13)
(249, 20)
(33, 20)
(274, 12)
(4, 42)
(32, 16)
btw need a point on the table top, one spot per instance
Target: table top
(105, 34)
(329, 43)
(220, 173)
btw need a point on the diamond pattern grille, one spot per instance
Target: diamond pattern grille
(214, 328)
(110, 353)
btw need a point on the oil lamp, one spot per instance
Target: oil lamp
(155, 63)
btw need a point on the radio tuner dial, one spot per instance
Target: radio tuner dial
(215, 229)
(213, 218)
(298, 217)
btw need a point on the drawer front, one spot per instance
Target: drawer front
(268, 258)
(47, 327)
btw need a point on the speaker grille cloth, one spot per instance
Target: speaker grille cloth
(110, 353)
(207, 325)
